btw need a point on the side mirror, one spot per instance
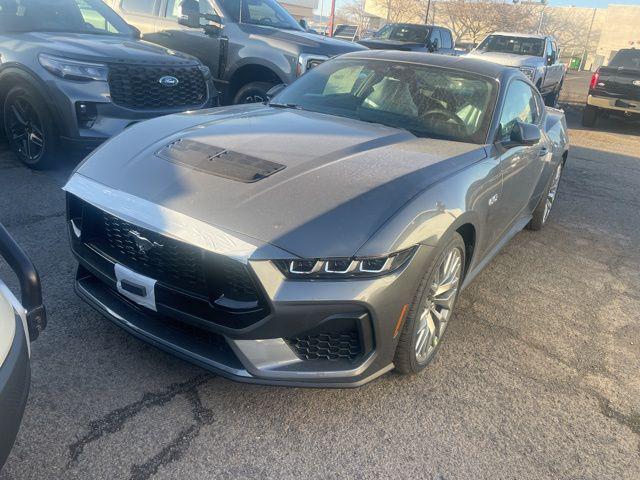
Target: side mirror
(434, 45)
(137, 34)
(525, 134)
(303, 24)
(190, 14)
(551, 59)
(275, 90)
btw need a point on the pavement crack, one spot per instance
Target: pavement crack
(115, 420)
(631, 421)
(178, 447)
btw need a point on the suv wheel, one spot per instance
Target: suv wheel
(254, 92)
(29, 128)
(432, 308)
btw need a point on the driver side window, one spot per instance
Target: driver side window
(520, 105)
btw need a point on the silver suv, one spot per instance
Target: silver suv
(74, 72)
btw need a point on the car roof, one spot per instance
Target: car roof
(522, 35)
(465, 64)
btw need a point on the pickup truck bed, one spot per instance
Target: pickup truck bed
(615, 88)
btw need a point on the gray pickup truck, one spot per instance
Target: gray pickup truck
(537, 56)
(249, 45)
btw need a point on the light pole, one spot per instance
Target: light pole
(332, 17)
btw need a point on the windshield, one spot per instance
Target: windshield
(404, 33)
(629, 59)
(267, 13)
(428, 101)
(516, 45)
(70, 16)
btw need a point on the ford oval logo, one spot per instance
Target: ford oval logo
(169, 81)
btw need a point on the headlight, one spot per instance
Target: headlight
(307, 61)
(338, 268)
(530, 72)
(74, 69)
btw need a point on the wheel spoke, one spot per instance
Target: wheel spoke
(438, 304)
(36, 140)
(19, 114)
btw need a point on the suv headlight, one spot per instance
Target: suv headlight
(307, 61)
(343, 268)
(530, 72)
(74, 69)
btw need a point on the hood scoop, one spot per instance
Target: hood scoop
(218, 161)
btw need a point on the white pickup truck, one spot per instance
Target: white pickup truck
(537, 56)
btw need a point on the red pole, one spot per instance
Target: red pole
(332, 17)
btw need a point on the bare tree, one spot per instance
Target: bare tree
(354, 12)
(398, 11)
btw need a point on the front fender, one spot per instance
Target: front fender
(462, 198)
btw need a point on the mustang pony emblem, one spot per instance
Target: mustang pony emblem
(144, 245)
(636, 83)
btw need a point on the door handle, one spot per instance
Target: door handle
(164, 33)
(543, 151)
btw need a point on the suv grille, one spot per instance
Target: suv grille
(138, 86)
(328, 346)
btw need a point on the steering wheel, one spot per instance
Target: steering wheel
(266, 21)
(447, 117)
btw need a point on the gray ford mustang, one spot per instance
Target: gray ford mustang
(322, 239)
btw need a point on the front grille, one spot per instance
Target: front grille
(139, 87)
(173, 262)
(184, 267)
(328, 346)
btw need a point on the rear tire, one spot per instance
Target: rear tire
(589, 116)
(427, 319)
(29, 128)
(254, 92)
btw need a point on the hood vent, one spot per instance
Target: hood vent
(218, 161)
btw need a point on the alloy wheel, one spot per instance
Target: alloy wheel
(25, 130)
(438, 304)
(551, 194)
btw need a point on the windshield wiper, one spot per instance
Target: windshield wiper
(292, 106)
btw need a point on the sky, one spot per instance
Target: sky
(563, 3)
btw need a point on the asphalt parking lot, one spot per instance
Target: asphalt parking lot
(538, 377)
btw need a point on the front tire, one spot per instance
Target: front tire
(589, 116)
(29, 128)
(254, 92)
(432, 309)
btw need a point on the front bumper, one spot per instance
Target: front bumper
(329, 333)
(616, 104)
(15, 376)
(110, 118)
(264, 352)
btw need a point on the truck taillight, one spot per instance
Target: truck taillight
(594, 80)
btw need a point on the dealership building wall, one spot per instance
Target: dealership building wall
(620, 29)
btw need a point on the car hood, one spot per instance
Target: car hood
(306, 42)
(380, 44)
(337, 180)
(508, 59)
(114, 49)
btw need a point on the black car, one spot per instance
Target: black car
(409, 37)
(615, 89)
